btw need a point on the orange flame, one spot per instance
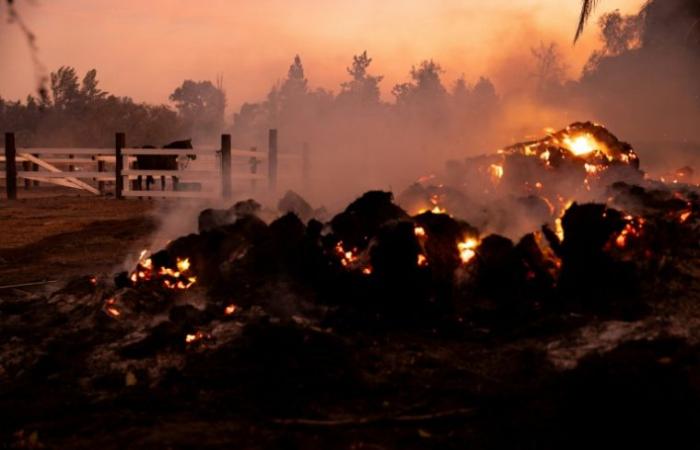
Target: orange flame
(467, 249)
(581, 144)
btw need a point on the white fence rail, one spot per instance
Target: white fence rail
(211, 178)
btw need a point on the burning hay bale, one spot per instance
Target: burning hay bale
(512, 191)
(363, 218)
(210, 219)
(590, 274)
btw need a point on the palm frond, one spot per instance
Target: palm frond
(587, 7)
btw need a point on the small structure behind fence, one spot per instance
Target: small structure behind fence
(213, 178)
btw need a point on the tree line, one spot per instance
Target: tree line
(77, 111)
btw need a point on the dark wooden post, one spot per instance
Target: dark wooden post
(305, 166)
(272, 160)
(253, 161)
(71, 168)
(10, 166)
(226, 165)
(35, 168)
(120, 143)
(26, 166)
(100, 168)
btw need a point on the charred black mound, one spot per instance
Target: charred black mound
(378, 329)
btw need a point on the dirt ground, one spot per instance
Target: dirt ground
(51, 237)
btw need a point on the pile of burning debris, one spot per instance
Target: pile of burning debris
(294, 319)
(522, 186)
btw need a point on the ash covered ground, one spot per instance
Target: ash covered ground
(421, 321)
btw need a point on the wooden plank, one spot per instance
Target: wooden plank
(56, 181)
(206, 174)
(248, 154)
(119, 144)
(67, 151)
(289, 156)
(34, 175)
(172, 194)
(163, 152)
(79, 184)
(247, 176)
(68, 160)
(78, 174)
(226, 165)
(113, 159)
(17, 159)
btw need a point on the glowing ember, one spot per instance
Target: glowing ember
(367, 271)
(632, 229)
(110, 309)
(190, 338)
(230, 309)
(419, 231)
(467, 249)
(496, 172)
(422, 261)
(591, 168)
(183, 265)
(558, 229)
(177, 279)
(436, 209)
(580, 145)
(347, 258)
(684, 216)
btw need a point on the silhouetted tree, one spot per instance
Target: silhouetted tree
(619, 34)
(550, 69)
(81, 114)
(65, 89)
(89, 90)
(296, 84)
(425, 86)
(362, 88)
(201, 106)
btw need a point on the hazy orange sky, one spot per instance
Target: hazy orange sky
(145, 48)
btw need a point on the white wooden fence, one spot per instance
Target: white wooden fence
(212, 177)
